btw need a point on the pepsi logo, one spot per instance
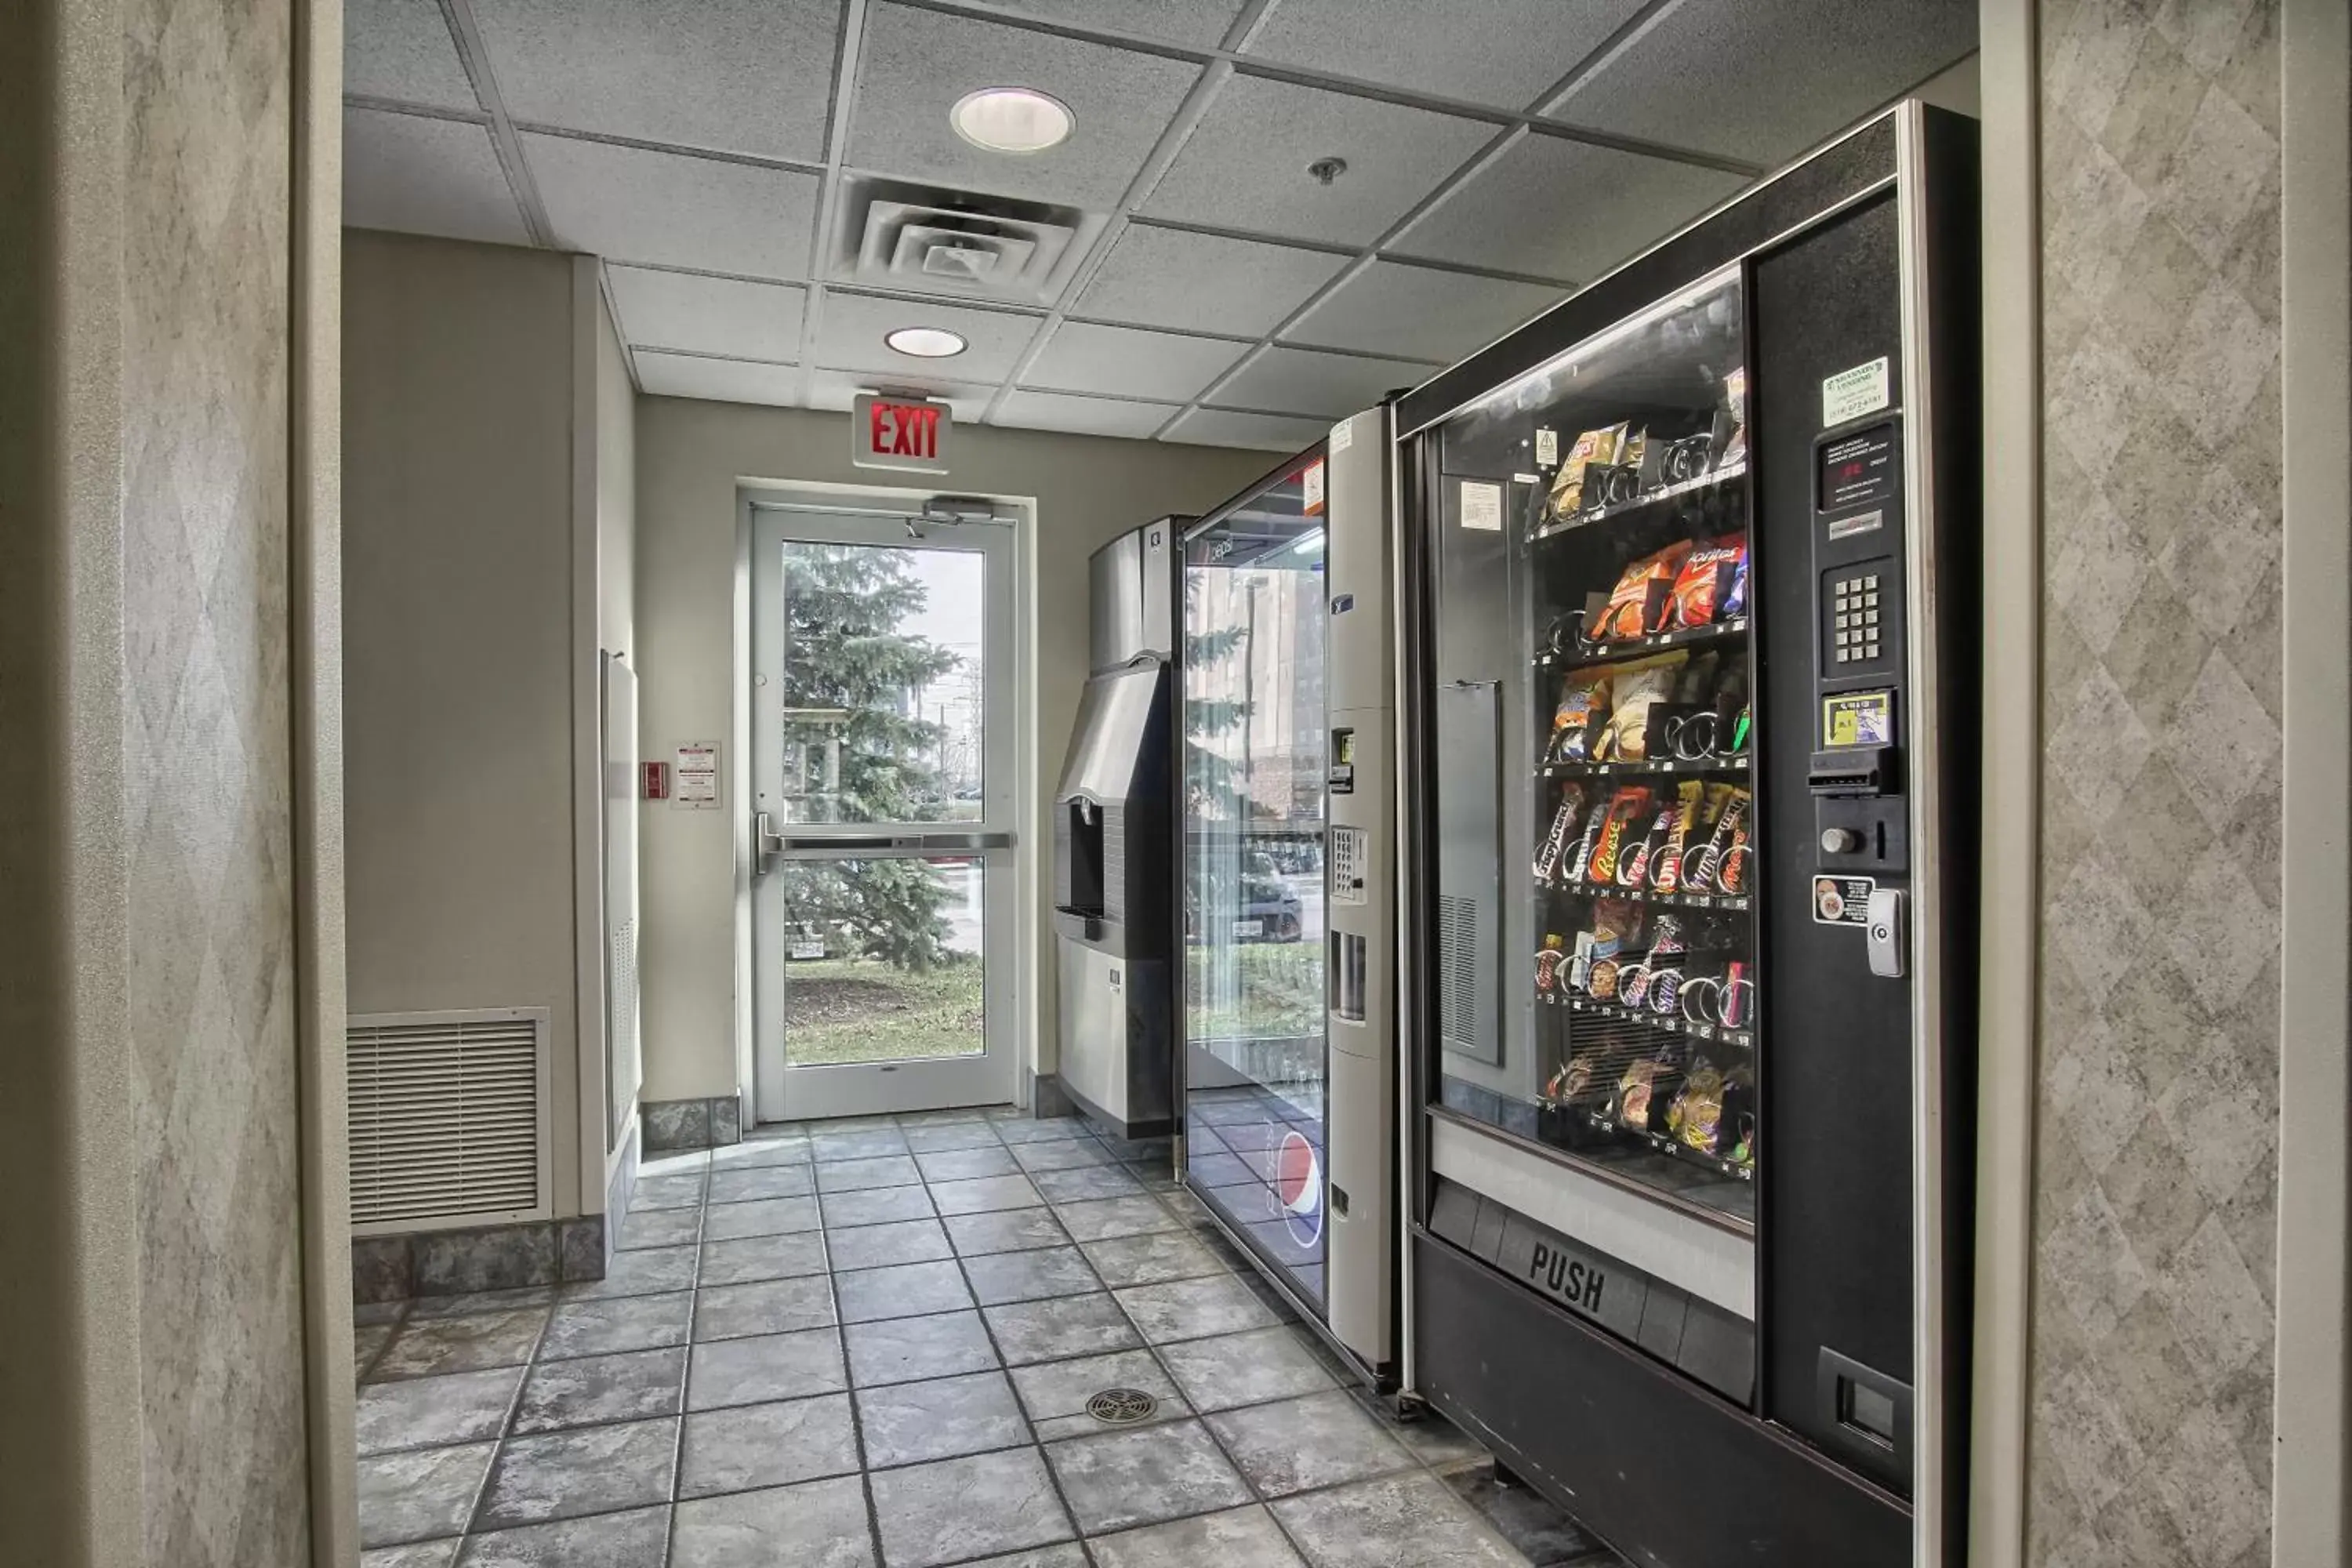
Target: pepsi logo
(1298, 1188)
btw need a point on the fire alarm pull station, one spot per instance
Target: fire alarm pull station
(657, 781)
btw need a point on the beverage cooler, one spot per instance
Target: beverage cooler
(1286, 685)
(1690, 628)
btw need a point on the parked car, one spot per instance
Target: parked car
(1267, 910)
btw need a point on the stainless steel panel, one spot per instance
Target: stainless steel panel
(1114, 715)
(1116, 1049)
(1116, 590)
(1156, 585)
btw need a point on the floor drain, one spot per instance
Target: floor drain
(1122, 1407)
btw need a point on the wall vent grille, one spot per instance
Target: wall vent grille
(1457, 972)
(449, 1115)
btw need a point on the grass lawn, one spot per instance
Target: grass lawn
(858, 1010)
(1276, 990)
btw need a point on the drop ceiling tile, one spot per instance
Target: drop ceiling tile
(919, 63)
(1199, 282)
(1507, 53)
(850, 334)
(1558, 208)
(427, 176)
(1221, 427)
(708, 315)
(718, 380)
(1086, 416)
(1300, 380)
(1764, 82)
(1200, 24)
(1420, 312)
(1126, 363)
(629, 204)
(402, 49)
(1245, 166)
(738, 75)
(838, 389)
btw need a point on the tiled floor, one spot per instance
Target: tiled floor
(873, 1343)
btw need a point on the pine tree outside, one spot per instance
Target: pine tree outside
(882, 702)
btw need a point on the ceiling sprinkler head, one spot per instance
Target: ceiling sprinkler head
(1323, 171)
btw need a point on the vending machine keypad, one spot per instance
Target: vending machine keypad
(1855, 634)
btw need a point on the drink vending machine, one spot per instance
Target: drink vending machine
(1688, 910)
(1286, 700)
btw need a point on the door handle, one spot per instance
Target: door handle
(767, 843)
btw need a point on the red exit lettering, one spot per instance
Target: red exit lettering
(901, 430)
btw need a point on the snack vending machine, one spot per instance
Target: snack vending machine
(1286, 695)
(1688, 907)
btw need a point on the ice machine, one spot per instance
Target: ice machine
(1111, 853)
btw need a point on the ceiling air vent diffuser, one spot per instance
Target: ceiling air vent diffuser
(931, 240)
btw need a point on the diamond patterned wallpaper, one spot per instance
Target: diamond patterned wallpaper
(2157, 1181)
(207, 760)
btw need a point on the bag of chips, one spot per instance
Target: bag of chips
(1703, 587)
(1628, 611)
(1575, 723)
(1592, 447)
(1697, 1114)
(1644, 1091)
(1637, 686)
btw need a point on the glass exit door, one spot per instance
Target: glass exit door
(883, 777)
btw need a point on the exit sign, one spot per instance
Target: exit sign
(887, 432)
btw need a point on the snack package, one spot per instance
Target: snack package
(1734, 598)
(1735, 400)
(1630, 803)
(1565, 820)
(1547, 962)
(1696, 1115)
(1582, 860)
(1599, 952)
(1592, 447)
(1639, 863)
(1704, 585)
(1637, 686)
(1667, 861)
(1644, 1092)
(1627, 615)
(1662, 960)
(1574, 1078)
(1706, 875)
(1583, 702)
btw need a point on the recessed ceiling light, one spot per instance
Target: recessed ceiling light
(927, 342)
(1012, 120)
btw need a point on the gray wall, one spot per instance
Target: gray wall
(2157, 1179)
(690, 456)
(152, 1402)
(459, 660)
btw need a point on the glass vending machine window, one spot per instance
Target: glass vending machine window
(1253, 773)
(1596, 803)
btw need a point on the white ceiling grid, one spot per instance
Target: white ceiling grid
(1498, 152)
